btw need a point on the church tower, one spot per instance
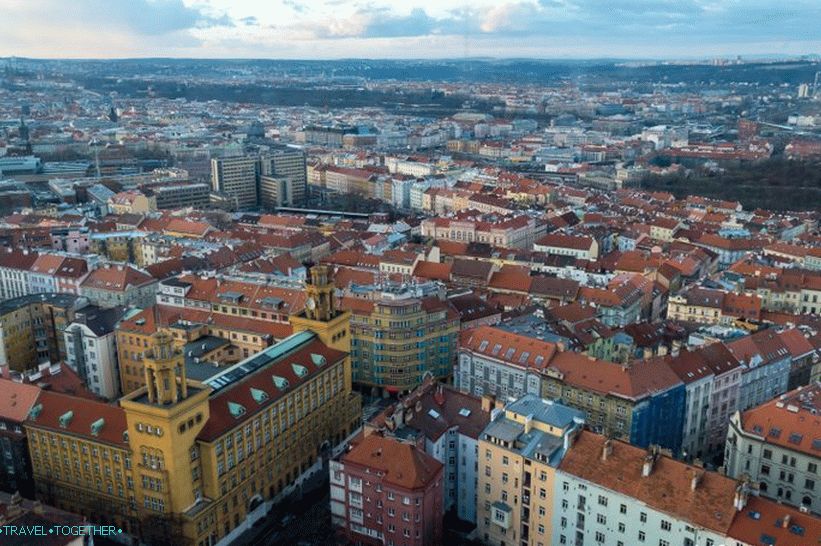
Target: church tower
(321, 314)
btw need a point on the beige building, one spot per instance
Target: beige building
(518, 454)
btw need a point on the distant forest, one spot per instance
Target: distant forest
(775, 184)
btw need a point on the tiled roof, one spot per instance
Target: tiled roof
(791, 421)
(667, 488)
(763, 522)
(116, 278)
(17, 400)
(522, 351)
(72, 415)
(402, 464)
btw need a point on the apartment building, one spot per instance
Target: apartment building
(119, 285)
(91, 351)
(31, 329)
(385, 491)
(177, 196)
(15, 472)
(519, 451)
(581, 247)
(289, 164)
(395, 343)
(495, 362)
(447, 424)
(777, 445)
(616, 494)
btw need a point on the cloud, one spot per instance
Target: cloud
(249, 21)
(296, 6)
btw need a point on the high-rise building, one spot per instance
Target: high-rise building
(285, 163)
(237, 178)
(188, 462)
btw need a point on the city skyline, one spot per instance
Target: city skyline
(333, 29)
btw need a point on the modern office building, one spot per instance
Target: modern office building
(288, 163)
(236, 177)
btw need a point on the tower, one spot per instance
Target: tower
(164, 418)
(321, 315)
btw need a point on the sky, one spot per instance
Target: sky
(328, 29)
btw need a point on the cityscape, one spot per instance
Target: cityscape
(366, 282)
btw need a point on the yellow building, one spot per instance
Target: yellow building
(31, 329)
(518, 454)
(205, 458)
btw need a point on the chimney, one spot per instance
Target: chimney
(740, 499)
(649, 461)
(785, 523)
(488, 401)
(662, 350)
(696, 480)
(676, 348)
(648, 353)
(607, 449)
(528, 423)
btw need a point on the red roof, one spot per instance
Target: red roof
(83, 413)
(401, 464)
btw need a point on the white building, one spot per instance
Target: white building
(616, 494)
(91, 350)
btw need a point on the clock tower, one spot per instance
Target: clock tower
(321, 315)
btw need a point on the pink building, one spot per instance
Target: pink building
(385, 491)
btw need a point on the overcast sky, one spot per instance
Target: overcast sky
(307, 29)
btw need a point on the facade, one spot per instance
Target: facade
(186, 462)
(15, 273)
(119, 285)
(643, 403)
(616, 494)
(15, 470)
(396, 342)
(288, 163)
(776, 444)
(91, 349)
(179, 196)
(502, 364)
(766, 363)
(385, 491)
(583, 248)
(31, 329)
(237, 178)
(446, 423)
(518, 454)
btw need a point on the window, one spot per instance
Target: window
(602, 500)
(767, 454)
(663, 542)
(665, 525)
(623, 509)
(599, 537)
(643, 517)
(641, 536)
(601, 519)
(621, 527)
(541, 529)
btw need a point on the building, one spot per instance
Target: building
(777, 445)
(91, 349)
(495, 362)
(385, 491)
(31, 329)
(709, 306)
(15, 272)
(446, 423)
(617, 494)
(237, 178)
(15, 404)
(132, 202)
(289, 164)
(642, 402)
(119, 285)
(766, 363)
(177, 196)
(187, 462)
(581, 247)
(397, 342)
(518, 454)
